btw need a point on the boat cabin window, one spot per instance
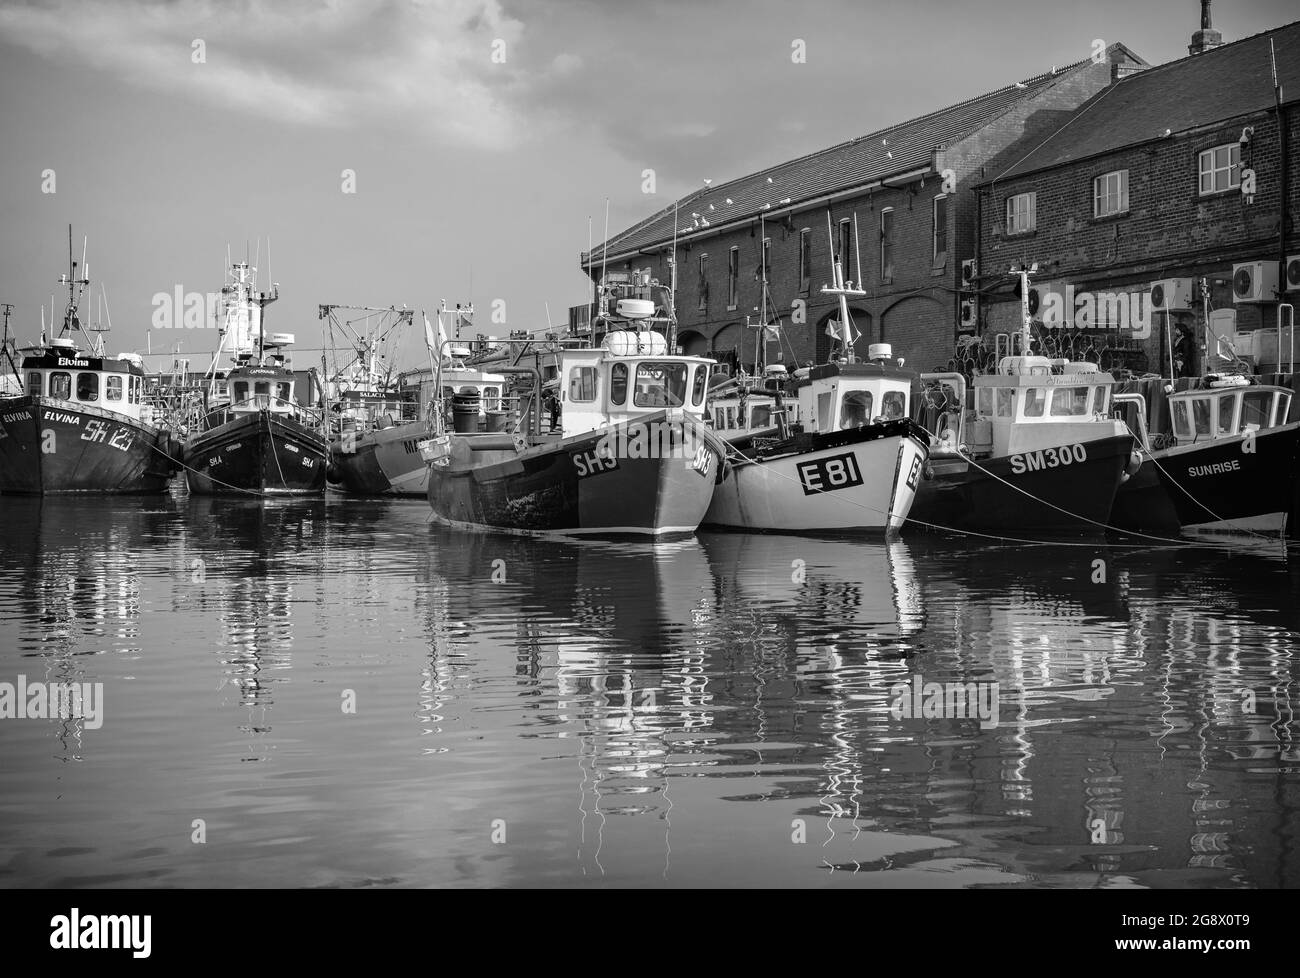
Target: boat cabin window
(729, 418)
(241, 390)
(1099, 403)
(701, 384)
(1227, 408)
(1254, 408)
(760, 416)
(1283, 408)
(282, 391)
(61, 386)
(490, 397)
(1201, 415)
(113, 388)
(618, 384)
(985, 406)
(1069, 402)
(1035, 402)
(582, 384)
(137, 390)
(856, 409)
(894, 405)
(1006, 402)
(35, 386)
(660, 385)
(88, 387)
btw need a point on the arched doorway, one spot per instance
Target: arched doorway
(727, 346)
(921, 329)
(827, 345)
(693, 343)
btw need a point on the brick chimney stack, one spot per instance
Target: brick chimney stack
(1207, 37)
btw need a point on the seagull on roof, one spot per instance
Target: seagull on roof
(707, 181)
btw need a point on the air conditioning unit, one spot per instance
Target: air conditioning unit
(966, 321)
(1292, 274)
(969, 272)
(1172, 295)
(1254, 281)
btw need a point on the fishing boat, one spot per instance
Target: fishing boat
(377, 448)
(856, 466)
(747, 405)
(253, 437)
(854, 463)
(1038, 452)
(633, 455)
(1230, 466)
(81, 423)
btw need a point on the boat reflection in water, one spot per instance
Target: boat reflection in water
(727, 709)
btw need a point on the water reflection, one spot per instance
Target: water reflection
(718, 710)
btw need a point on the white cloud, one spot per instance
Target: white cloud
(425, 64)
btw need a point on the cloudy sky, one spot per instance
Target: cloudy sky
(483, 134)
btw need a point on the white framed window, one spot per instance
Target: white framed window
(939, 249)
(1022, 213)
(1110, 194)
(1220, 168)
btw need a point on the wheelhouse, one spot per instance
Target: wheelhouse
(253, 389)
(1226, 412)
(1034, 402)
(631, 375)
(60, 372)
(840, 396)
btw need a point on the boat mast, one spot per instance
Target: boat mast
(70, 320)
(843, 291)
(8, 307)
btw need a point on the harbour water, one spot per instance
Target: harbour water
(338, 693)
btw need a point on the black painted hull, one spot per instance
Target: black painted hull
(1215, 486)
(562, 489)
(961, 497)
(49, 446)
(257, 455)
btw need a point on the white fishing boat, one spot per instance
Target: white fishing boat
(853, 463)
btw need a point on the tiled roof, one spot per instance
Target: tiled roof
(1225, 82)
(878, 155)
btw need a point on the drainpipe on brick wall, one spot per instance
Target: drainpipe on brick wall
(979, 267)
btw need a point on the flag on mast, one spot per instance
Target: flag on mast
(434, 340)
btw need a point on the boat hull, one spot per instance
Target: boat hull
(49, 446)
(1031, 491)
(257, 454)
(382, 463)
(863, 479)
(1225, 485)
(576, 487)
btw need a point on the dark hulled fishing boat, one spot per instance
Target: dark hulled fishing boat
(81, 424)
(254, 438)
(634, 456)
(1231, 465)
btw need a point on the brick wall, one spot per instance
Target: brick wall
(1170, 229)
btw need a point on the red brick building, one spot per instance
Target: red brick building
(908, 190)
(1150, 182)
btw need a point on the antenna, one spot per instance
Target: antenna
(604, 260)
